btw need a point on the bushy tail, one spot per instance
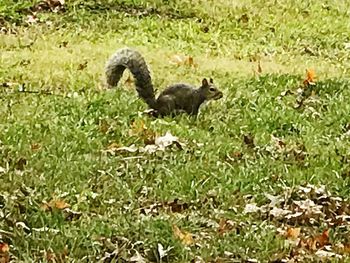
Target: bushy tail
(134, 61)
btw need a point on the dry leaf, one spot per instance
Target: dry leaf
(259, 70)
(190, 62)
(251, 208)
(316, 242)
(2, 170)
(137, 258)
(293, 233)
(21, 163)
(327, 254)
(104, 126)
(310, 77)
(4, 253)
(163, 252)
(54, 204)
(179, 60)
(82, 65)
(225, 225)
(32, 19)
(185, 237)
(167, 140)
(138, 128)
(35, 146)
(177, 206)
(248, 140)
(63, 44)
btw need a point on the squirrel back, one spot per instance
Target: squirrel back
(175, 99)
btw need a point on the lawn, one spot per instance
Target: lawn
(261, 175)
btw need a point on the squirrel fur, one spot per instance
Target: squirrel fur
(177, 98)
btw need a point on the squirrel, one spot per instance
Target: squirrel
(175, 99)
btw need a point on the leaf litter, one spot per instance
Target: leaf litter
(299, 213)
(161, 143)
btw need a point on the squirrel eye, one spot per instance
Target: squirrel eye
(212, 89)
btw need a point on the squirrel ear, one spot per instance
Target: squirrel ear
(204, 82)
(211, 81)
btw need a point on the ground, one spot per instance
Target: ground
(261, 175)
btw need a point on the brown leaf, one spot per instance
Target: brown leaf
(32, 19)
(185, 237)
(60, 204)
(104, 126)
(35, 146)
(292, 233)
(244, 18)
(4, 253)
(82, 65)
(57, 257)
(113, 146)
(180, 60)
(138, 128)
(248, 140)
(55, 3)
(54, 204)
(310, 77)
(317, 242)
(225, 226)
(190, 62)
(177, 206)
(259, 70)
(63, 44)
(21, 163)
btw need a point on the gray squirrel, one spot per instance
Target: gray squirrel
(175, 99)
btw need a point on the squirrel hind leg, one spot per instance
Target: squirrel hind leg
(114, 74)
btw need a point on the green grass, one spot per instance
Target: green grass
(52, 146)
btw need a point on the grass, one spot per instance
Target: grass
(52, 147)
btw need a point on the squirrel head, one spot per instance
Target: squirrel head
(209, 90)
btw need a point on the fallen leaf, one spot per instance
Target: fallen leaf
(190, 62)
(21, 163)
(4, 247)
(82, 65)
(251, 208)
(4, 253)
(244, 18)
(225, 226)
(137, 258)
(71, 215)
(248, 140)
(179, 60)
(57, 256)
(177, 206)
(138, 128)
(259, 70)
(63, 44)
(55, 203)
(163, 252)
(327, 254)
(167, 140)
(32, 19)
(104, 126)
(35, 146)
(293, 233)
(185, 237)
(310, 77)
(317, 242)
(46, 229)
